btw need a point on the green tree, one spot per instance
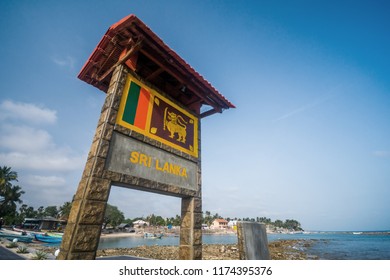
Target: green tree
(65, 210)
(51, 211)
(10, 194)
(7, 176)
(40, 212)
(155, 220)
(25, 211)
(113, 216)
(292, 224)
(128, 221)
(278, 223)
(174, 221)
(264, 220)
(208, 218)
(217, 216)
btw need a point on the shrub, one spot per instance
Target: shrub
(39, 255)
(22, 250)
(12, 245)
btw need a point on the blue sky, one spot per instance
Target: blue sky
(309, 139)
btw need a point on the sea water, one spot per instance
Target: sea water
(327, 245)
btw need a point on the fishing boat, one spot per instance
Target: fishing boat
(152, 235)
(14, 236)
(55, 234)
(47, 238)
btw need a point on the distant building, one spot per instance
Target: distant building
(232, 224)
(44, 223)
(219, 224)
(123, 226)
(140, 223)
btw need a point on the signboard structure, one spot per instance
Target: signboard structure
(147, 137)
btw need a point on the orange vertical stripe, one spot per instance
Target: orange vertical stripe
(142, 109)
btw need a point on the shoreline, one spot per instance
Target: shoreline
(293, 249)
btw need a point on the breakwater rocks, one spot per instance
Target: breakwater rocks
(279, 250)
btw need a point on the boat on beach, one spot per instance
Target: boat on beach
(55, 234)
(33, 233)
(9, 235)
(47, 238)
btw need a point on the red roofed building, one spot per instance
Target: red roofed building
(219, 224)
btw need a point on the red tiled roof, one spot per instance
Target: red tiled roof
(108, 51)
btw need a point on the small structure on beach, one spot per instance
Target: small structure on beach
(140, 224)
(124, 227)
(232, 224)
(44, 223)
(219, 224)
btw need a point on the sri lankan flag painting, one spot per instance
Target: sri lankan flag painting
(136, 106)
(144, 110)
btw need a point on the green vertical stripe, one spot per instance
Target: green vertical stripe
(131, 103)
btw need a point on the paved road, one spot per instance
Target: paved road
(6, 254)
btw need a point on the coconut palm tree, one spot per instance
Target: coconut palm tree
(6, 177)
(11, 197)
(9, 193)
(65, 210)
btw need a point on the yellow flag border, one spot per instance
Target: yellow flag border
(153, 95)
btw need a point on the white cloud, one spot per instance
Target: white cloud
(67, 61)
(27, 112)
(24, 146)
(329, 95)
(24, 138)
(46, 181)
(46, 190)
(48, 161)
(46, 170)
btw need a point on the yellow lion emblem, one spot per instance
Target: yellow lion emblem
(175, 124)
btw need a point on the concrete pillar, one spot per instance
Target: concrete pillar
(191, 229)
(82, 233)
(252, 241)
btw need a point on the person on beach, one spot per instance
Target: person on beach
(1, 222)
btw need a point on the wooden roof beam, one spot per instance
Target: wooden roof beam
(182, 80)
(134, 48)
(208, 113)
(154, 74)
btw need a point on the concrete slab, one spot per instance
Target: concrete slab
(252, 241)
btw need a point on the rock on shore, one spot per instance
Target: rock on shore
(279, 250)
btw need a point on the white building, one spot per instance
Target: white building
(140, 223)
